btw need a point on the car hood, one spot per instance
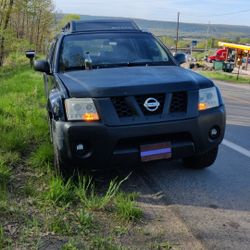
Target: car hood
(125, 81)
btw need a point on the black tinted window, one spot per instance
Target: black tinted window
(110, 49)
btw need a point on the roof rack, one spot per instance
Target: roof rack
(100, 24)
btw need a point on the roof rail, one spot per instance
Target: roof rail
(100, 24)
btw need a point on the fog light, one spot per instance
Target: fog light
(81, 149)
(214, 133)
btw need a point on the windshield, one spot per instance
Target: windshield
(112, 50)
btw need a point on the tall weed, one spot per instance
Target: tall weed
(60, 192)
(86, 192)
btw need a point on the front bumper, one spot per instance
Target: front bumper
(105, 144)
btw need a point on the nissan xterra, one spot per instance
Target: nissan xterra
(115, 93)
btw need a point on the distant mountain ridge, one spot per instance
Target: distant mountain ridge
(186, 29)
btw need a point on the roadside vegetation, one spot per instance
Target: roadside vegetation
(35, 203)
(227, 77)
(38, 208)
(24, 25)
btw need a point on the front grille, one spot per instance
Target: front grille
(178, 102)
(121, 106)
(129, 106)
(141, 100)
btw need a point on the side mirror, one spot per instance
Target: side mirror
(42, 66)
(30, 54)
(180, 58)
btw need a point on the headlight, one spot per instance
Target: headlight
(208, 98)
(81, 109)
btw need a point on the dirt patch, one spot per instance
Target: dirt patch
(161, 223)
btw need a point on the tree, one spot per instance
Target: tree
(6, 8)
(28, 23)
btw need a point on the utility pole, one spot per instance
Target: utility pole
(177, 32)
(208, 30)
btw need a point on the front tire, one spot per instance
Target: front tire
(60, 167)
(64, 169)
(202, 160)
(50, 128)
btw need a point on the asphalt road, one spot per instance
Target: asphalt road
(215, 203)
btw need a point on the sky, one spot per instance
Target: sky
(193, 11)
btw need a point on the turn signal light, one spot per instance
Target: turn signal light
(202, 106)
(90, 117)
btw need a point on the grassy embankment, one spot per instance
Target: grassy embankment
(227, 77)
(37, 206)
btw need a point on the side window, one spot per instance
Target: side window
(51, 46)
(51, 53)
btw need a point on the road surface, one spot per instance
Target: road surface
(214, 203)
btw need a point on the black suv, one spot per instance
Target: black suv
(116, 93)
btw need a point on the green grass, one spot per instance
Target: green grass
(60, 192)
(5, 175)
(102, 243)
(37, 201)
(126, 207)
(28, 188)
(42, 156)
(68, 222)
(1, 237)
(59, 225)
(22, 111)
(7, 161)
(86, 192)
(69, 246)
(199, 55)
(4, 172)
(4, 239)
(161, 246)
(227, 77)
(85, 218)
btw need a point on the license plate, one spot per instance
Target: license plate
(158, 151)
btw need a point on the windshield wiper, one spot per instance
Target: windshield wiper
(128, 64)
(158, 63)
